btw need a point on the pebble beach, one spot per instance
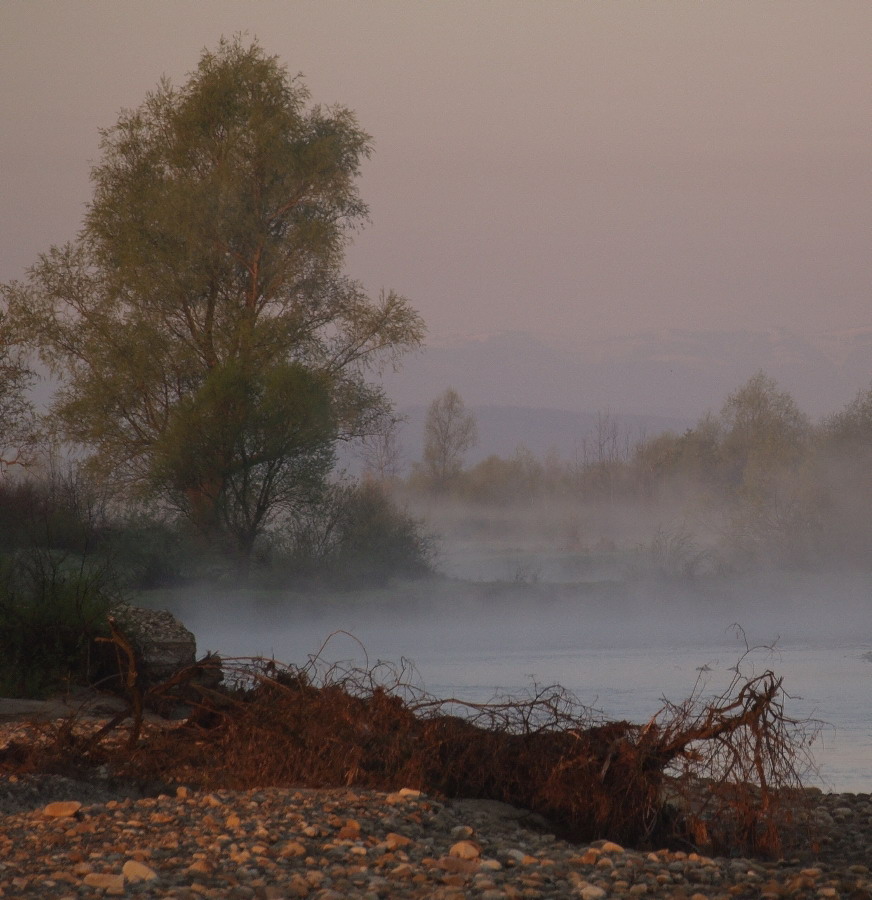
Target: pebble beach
(66, 839)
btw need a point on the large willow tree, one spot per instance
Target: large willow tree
(210, 350)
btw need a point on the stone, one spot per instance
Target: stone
(135, 872)
(200, 867)
(297, 887)
(611, 847)
(104, 881)
(162, 643)
(589, 891)
(458, 865)
(394, 841)
(465, 850)
(62, 809)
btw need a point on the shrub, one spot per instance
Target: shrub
(149, 553)
(50, 613)
(672, 554)
(377, 539)
(357, 534)
(58, 507)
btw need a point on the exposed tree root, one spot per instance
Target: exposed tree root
(722, 775)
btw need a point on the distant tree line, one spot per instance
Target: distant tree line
(772, 485)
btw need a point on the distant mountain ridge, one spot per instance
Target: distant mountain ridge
(676, 374)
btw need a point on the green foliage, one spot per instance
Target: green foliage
(357, 535)
(764, 432)
(244, 446)
(59, 510)
(763, 484)
(51, 609)
(18, 429)
(377, 540)
(55, 507)
(849, 432)
(784, 528)
(842, 473)
(502, 481)
(207, 284)
(147, 552)
(692, 458)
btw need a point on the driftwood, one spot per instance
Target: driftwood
(128, 668)
(720, 775)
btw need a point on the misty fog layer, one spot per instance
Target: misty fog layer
(621, 647)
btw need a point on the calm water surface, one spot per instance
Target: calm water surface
(621, 661)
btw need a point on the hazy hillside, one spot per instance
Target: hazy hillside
(675, 374)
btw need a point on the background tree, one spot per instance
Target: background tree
(209, 346)
(849, 431)
(774, 509)
(764, 432)
(381, 454)
(18, 432)
(449, 431)
(843, 472)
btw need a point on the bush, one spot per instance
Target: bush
(50, 613)
(356, 535)
(57, 507)
(672, 555)
(377, 539)
(149, 553)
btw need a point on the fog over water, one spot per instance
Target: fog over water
(684, 205)
(620, 646)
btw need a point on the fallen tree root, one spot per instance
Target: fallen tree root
(722, 775)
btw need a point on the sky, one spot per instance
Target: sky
(578, 169)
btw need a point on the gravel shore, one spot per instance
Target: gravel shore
(65, 839)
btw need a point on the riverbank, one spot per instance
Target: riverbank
(68, 839)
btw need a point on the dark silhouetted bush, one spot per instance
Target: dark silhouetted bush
(51, 609)
(358, 535)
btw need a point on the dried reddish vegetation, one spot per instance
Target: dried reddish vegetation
(722, 775)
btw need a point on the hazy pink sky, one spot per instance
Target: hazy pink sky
(571, 168)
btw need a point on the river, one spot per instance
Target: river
(619, 650)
